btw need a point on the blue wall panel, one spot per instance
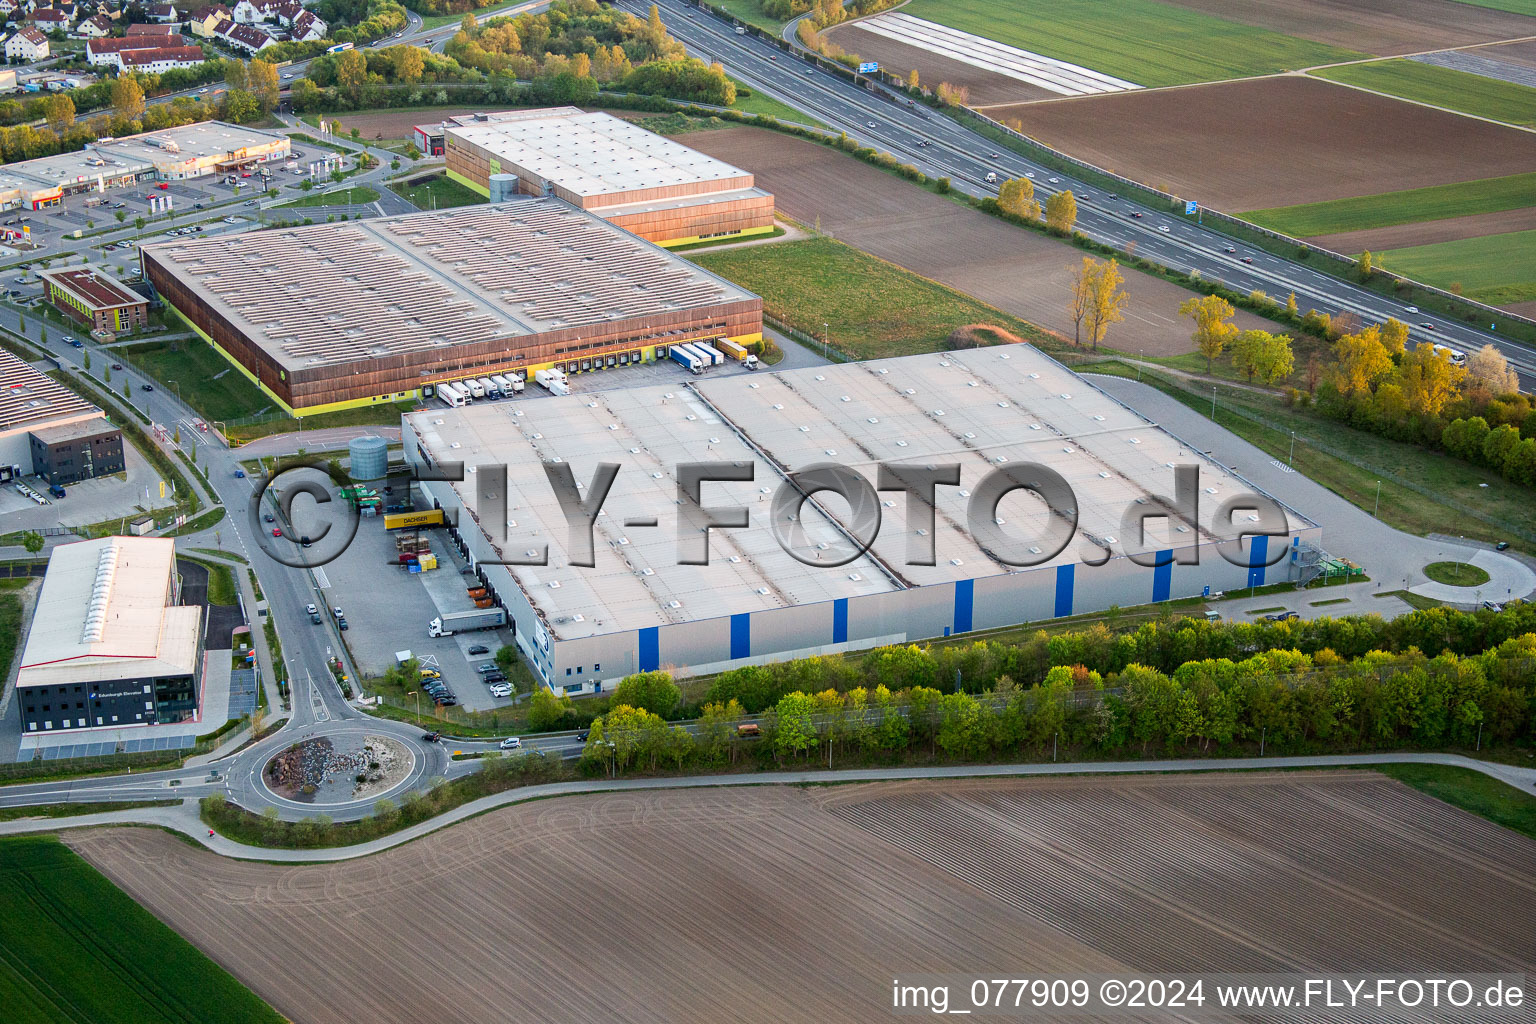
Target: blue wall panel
(1258, 554)
(649, 658)
(840, 621)
(741, 635)
(1162, 576)
(965, 600)
(1065, 578)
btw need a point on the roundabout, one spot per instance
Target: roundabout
(326, 770)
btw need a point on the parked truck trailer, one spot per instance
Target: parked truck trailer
(464, 622)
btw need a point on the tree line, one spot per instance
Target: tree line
(1430, 678)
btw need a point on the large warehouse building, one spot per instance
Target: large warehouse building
(188, 151)
(638, 609)
(646, 183)
(332, 316)
(109, 646)
(47, 429)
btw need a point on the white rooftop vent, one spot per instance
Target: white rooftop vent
(955, 561)
(762, 590)
(554, 584)
(874, 419)
(674, 604)
(855, 577)
(901, 444)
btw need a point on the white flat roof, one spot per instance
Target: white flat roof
(139, 153)
(102, 614)
(593, 154)
(980, 408)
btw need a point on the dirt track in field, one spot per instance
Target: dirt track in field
(1381, 27)
(984, 86)
(1400, 236)
(1017, 271)
(802, 904)
(1279, 141)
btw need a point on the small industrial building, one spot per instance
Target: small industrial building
(175, 154)
(109, 645)
(94, 299)
(645, 183)
(48, 430)
(333, 316)
(638, 609)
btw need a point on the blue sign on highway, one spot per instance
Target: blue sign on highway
(1190, 207)
(869, 67)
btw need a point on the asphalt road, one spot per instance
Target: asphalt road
(877, 117)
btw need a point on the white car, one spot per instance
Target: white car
(1412, 309)
(1054, 181)
(872, 124)
(510, 743)
(1163, 228)
(310, 609)
(1029, 174)
(501, 691)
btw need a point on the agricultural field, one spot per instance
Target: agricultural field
(1141, 41)
(983, 87)
(1437, 202)
(1442, 87)
(76, 948)
(872, 308)
(1268, 872)
(1497, 269)
(1019, 272)
(1275, 142)
(1383, 29)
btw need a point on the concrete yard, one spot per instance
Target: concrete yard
(758, 904)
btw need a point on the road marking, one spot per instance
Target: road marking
(1282, 467)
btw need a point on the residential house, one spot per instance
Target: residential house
(160, 31)
(27, 44)
(205, 20)
(50, 19)
(162, 13)
(287, 10)
(161, 58)
(306, 27)
(244, 37)
(97, 26)
(109, 52)
(8, 9)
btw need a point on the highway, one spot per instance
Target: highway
(877, 117)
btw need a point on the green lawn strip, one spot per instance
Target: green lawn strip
(336, 196)
(1141, 41)
(10, 629)
(1346, 475)
(71, 810)
(767, 106)
(750, 12)
(382, 414)
(1408, 597)
(1331, 600)
(1496, 269)
(872, 308)
(204, 379)
(221, 581)
(1456, 574)
(1408, 206)
(1472, 791)
(1512, 6)
(439, 193)
(77, 948)
(1442, 87)
(202, 522)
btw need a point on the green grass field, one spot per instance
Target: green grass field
(337, 197)
(873, 308)
(439, 193)
(1496, 269)
(1141, 41)
(204, 379)
(1512, 6)
(74, 947)
(750, 12)
(1442, 87)
(757, 103)
(1437, 202)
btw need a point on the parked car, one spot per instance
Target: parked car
(341, 624)
(1502, 545)
(315, 619)
(479, 649)
(510, 743)
(311, 609)
(1493, 606)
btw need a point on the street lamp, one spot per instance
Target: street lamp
(613, 757)
(418, 701)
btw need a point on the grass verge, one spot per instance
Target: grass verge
(71, 810)
(438, 193)
(1442, 87)
(1406, 206)
(79, 949)
(337, 196)
(871, 308)
(1472, 791)
(204, 379)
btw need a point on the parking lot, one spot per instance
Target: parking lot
(86, 502)
(388, 609)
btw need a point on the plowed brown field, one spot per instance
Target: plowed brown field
(1270, 142)
(984, 86)
(773, 904)
(1018, 271)
(1383, 27)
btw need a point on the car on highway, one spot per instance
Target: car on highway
(510, 743)
(1054, 181)
(1411, 309)
(1247, 259)
(1163, 228)
(582, 736)
(479, 649)
(1427, 325)
(1136, 214)
(871, 124)
(1230, 248)
(1029, 174)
